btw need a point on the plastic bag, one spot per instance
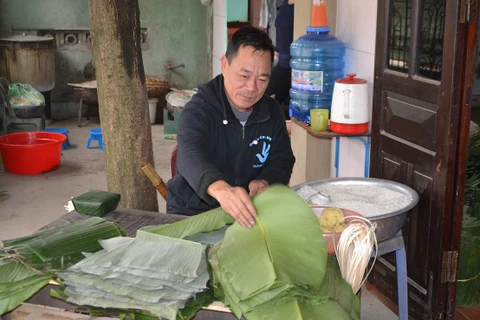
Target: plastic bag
(21, 95)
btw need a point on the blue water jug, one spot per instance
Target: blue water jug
(317, 61)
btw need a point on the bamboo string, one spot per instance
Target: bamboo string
(354, 250)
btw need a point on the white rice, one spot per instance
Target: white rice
(370, 201)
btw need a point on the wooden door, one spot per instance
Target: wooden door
(419, 76)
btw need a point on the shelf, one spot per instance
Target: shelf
(326, 134)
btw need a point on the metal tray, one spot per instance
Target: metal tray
(388, 224)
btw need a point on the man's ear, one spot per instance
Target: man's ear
(224, 63)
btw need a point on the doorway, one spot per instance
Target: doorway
(421, 114)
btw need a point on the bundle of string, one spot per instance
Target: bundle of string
(354, 250)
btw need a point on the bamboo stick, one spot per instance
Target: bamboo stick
(154, 177)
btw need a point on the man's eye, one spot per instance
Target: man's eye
(263, 80)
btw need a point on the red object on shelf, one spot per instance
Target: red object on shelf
(31, 152)
(346, 128)
(351, 79)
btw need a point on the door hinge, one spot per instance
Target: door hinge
(468, 11)
(449, 266)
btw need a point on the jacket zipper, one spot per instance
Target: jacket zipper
(237, 167)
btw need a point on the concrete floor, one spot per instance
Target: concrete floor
(34, 201)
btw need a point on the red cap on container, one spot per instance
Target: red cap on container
(319, 14)
(351, 79)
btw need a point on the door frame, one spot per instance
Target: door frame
(469, 19)
(454, 96)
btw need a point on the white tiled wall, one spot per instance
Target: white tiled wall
(219, 35)
(356, 27)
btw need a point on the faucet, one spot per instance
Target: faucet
(169, 66)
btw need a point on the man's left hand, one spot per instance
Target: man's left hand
(257, 186)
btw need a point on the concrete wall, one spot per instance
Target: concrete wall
(357, 28)
(219, 35)
(177, 33)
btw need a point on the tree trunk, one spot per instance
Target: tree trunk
(122, 99)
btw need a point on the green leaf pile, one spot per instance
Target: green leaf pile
(277, 269)
(28, 263)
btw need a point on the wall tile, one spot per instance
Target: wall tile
(219, 8)
(346, 22)
(219, 36)
(365, 25)
(363, 64)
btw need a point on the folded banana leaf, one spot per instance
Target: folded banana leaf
(96, 203)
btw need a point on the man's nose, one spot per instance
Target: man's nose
(251, 84)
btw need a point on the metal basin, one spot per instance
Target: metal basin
(389, 222)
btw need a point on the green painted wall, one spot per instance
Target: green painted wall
(177, 33)
(237, 10)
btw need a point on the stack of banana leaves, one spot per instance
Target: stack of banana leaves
(278, 269)
(27, 264)
(149, 273)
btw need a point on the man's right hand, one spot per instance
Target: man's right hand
(234, 201)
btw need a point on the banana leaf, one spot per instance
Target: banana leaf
(17, 284)
(62, 247)
(28, 263)
(280, 264)
(208, 221)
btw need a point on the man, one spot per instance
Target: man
(232, 139)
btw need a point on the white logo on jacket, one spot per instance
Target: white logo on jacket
(262, 156)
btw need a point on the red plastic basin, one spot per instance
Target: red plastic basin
(31, 152)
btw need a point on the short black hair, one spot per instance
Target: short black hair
(249, 36)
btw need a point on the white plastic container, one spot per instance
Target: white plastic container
(350, 112)
(152, 108)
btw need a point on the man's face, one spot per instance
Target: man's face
(246, 76)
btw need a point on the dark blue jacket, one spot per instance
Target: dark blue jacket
(284, 32)
(209, 150)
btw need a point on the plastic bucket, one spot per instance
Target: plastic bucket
(31, 152)
(152, 108)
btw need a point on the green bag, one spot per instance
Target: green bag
(96, 203)
(20, 94)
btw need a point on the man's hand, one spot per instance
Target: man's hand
(257, 186)
(235, 201)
